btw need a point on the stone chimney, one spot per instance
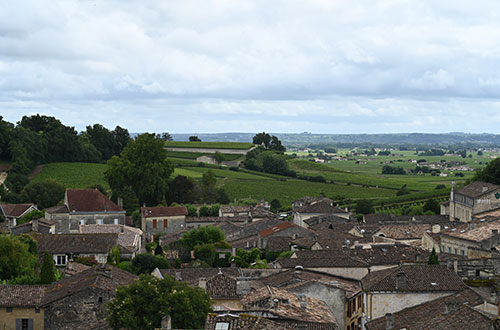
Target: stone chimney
(202, 283)
(389, 321)
(436, 229)
(400, 281)
(34, 225)
(119, 200)
(451, 306)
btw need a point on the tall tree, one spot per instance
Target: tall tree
(48, 269)
(433, 258)
(15, 258)
(143, 168)
(43, 193)
(144, 303)
(491, 173)
(182, 190)
(165, 136)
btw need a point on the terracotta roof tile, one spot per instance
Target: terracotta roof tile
(21, 295)
(277, 228)
(404, 231)
(90, 200)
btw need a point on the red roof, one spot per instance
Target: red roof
(90, 200)
(275, 229)
(163, 211)
(15, 210)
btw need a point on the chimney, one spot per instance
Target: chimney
(436, 229)
(389, 321)
(451, 306)
(400, 281)
(166, 323)
(202, 283)
(494, 231)
(34, 225)
(119, 200)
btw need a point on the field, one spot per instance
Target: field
(74, 175)
(209, 145)
(194, 155)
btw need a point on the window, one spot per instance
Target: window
(165, 223)
(449, 249)
(99, 221)
(154, 223)
(9, 309)
(82, 222)
(24, 324)
(116, 221)
(222, 326)
(462, 252)
(60, 260)
(37, 310)
(100, 299)
(456, 251)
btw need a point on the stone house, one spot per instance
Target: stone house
(20, 307)
(473, 240)
(162, 219)
(12, 212)
(402, 233)
(84, 206)
(323, 206)
(231, 211)
(42, 226)
(66, 247)
(457, 311)
(129, 238)
(284, 229)
(79, 301)
(474, 198)
(343, 296)
(392, 290)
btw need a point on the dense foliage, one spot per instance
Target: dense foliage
(17, 257)
(491, 173)
(143, 304)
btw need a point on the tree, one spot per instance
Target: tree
(15, 258)
(182, 190)
(165, 136)
(48, 269)
(43, 193)
(142, 168)
(194, 138)
(158, 250)
(268, 141)
(203, 235)
(35, 214)
(491, 173)
(208, 188)
(275, 205)
(143, 304)
(219, 157)
(246, 258)
(432, 205)
(403, 190)
(145, 263)
(433, 258)
(364, 206)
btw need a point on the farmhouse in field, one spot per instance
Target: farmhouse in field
(84, 206)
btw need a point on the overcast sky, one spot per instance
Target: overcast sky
(322, 66)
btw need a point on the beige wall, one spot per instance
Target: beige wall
(231, 303)
(8, 320)
(449, 244)
(379, 304)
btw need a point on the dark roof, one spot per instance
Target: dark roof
(104, 277)
(222, 286)
(234, 231)
(235, 208)
(21, 295)
(323, 206)
(411, 317)
(333, 260)
(57, 209)
(15, 210)
(417, 278)
(245, 321)
(76, 243)
(163, 211)
(192, 275)
(90, 200)
(279, 243)
(324, 218)
(41, 222)
(477, 189)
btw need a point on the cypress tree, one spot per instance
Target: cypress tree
(433, 258)
(48, 269)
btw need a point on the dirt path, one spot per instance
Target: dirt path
(37, 170)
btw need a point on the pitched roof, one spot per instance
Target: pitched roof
(277, 228)
(90, 200)
(105, 277)
(163, 211)
(330, 261)
(477, 189)
(290, 305)
(76, 243)
(192, 275)
(127, 236)
(15, 210)
(474, 231)
(235, 208)
(222, 286)
(245, 321)
(411, 317)
(57, 209)
(416, 278)
(279, 243)
(21, 295)
(323, 206)
(404, 231)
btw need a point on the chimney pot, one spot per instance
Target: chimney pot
(389, 321)
(400, 281)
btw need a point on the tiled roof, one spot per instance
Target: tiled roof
(41, 222)
(222, 286)
(127, 236)
(416, 278)
(245, 321)
(73, 268)
(76, 243)
(477, 189)
(289, 306)
(322, 207)
(192, 275)
(274, 229)
(57, 209)
(21, 295)
(279, 243)
(236, 231)
(476, 231)
(105, 277)
(404, 231)
(15, 210)
(90, 200)
(235, 208)
(163, 211)
(330, 218)
(332, 260)
(411, 318)
(258, 213)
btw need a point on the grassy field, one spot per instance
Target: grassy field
(209, 145)
(74, 175)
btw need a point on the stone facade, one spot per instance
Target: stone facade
(159, 225)
(9, 320)
(466, 202)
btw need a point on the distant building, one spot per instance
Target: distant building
(474, 198)
(162, 219)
